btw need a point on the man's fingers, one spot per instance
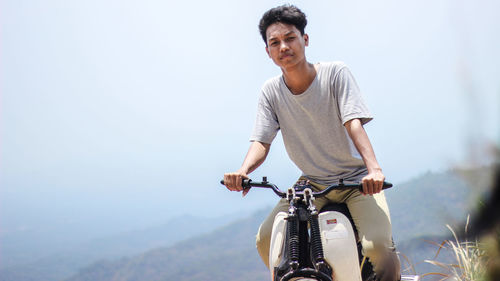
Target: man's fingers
(233, 181)
(365, 187)
(373, 183)
(227, 181)
(370, 187)
(379, 185)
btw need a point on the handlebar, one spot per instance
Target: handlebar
(248, 183)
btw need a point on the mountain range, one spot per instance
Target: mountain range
(420, 210)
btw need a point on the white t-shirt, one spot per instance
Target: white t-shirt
(312, 123)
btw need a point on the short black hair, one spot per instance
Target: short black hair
(288, 14)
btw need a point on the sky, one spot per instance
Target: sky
(120, 114)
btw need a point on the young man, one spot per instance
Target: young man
(320, 112)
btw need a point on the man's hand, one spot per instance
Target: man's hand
(257, 153)
(373, 182)
(233, 181)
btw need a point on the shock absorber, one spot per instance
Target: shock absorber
(293, 230)
(316, 244)
(293, 241)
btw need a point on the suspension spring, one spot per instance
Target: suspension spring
(316, 245)
(293, 241)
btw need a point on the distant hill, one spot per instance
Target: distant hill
(226, 254)
(420, 208)
(424, 205)
(65, 263)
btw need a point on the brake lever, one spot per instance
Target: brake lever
(245, 191)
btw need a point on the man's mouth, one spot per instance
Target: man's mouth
(285, 56)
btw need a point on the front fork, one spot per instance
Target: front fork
(317, 255)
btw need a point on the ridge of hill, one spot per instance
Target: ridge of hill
(420, 209)
(226, 254)
(63, 264)
(424, 205)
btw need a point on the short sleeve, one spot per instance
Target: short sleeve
(349, 99)
(266, 123)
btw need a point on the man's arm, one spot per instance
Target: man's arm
(256, 155)
(372, 183)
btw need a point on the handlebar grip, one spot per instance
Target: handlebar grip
(245, 183)
(386, 185)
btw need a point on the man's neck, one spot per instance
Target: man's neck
(299, 77)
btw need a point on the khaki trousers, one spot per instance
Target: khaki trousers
(370, 215)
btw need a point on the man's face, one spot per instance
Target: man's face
(285, 44)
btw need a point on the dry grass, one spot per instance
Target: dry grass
(469, 264)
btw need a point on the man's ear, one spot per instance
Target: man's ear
(267, 51)
(306, 39)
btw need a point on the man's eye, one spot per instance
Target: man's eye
(290, 38)
(274, 43)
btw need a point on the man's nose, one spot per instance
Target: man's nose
(283, 46)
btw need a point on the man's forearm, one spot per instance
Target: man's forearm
(256, 155)
(362, 143)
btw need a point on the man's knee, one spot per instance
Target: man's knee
(262, 242)
(259, 239)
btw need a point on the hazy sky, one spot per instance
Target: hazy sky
(131, 111)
